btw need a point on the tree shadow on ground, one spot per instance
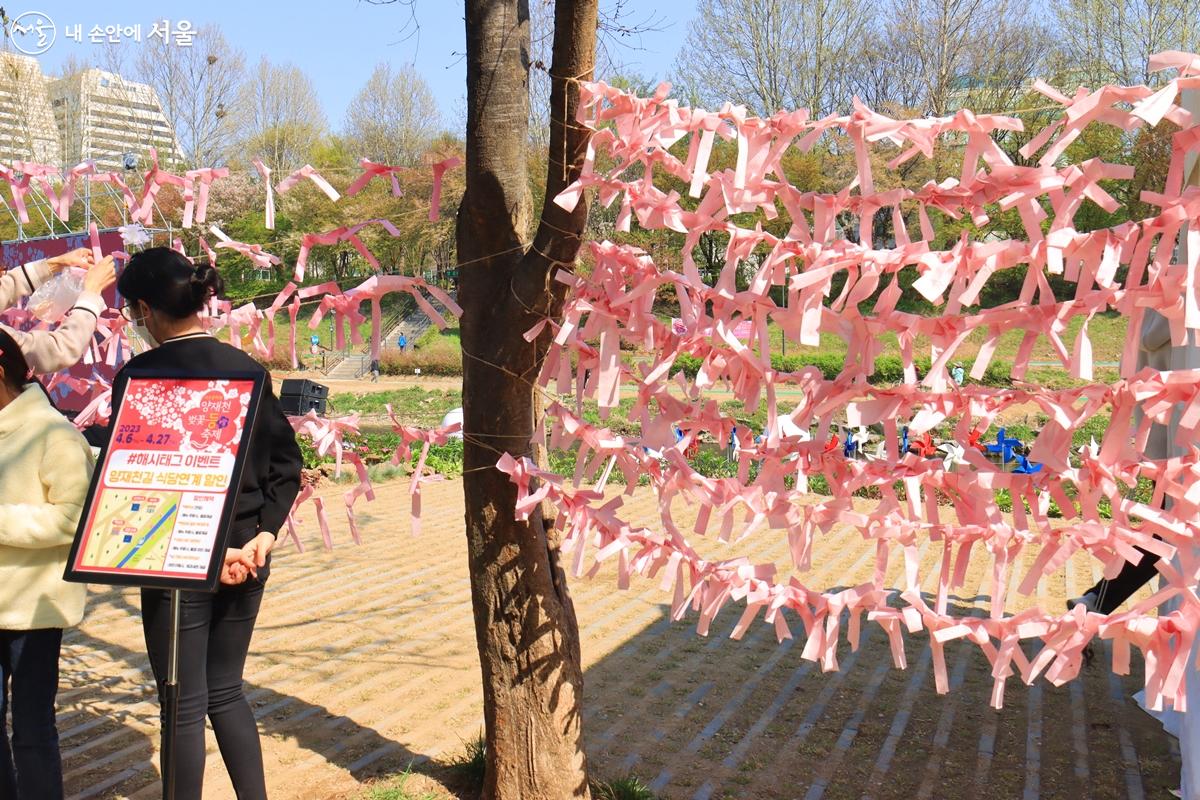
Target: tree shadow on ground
(696, 717)
(701, 718)
(109, 726)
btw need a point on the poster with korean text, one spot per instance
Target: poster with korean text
(162, 497)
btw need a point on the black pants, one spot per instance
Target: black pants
(1132, 577)
(215, 631)
(31, 769)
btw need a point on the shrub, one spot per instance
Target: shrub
(688, 364)
(712, 463)
(277, 363)
(435, 361)
(308, 454)
(830, 364)
(444, 459)
(561, 462)
(888, 369)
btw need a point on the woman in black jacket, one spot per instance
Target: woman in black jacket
(164, 294)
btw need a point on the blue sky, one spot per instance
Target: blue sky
(338, 42)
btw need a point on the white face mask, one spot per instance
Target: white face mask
(141, 340)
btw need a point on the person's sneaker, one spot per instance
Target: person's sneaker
(1089, 601)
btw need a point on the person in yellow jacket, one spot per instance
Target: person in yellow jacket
(45, 469)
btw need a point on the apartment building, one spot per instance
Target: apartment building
(104, 117)
(89, 114)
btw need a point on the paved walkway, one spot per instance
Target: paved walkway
(364, 661)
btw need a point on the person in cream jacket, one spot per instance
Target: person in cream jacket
(45, 469)
(51, 350)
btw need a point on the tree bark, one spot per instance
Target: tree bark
(525, 626)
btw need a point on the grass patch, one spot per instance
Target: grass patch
(413, 405)
(1106, 332)
(397, 789)
(435, 337)
(377, 473)
(426, 407)
(627, 788)
(439, 352)
(470, 766)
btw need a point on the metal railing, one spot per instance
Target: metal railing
(331, 359)
(363, 366)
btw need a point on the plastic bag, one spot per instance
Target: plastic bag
(51, 301)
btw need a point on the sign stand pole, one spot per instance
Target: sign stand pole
(218, 410)
(171, 700)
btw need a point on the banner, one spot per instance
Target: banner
(161, 501)
(15, 252)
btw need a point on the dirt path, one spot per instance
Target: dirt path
(364, 662)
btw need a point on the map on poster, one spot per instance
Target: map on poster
(159, 502)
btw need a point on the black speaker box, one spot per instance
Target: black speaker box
(303, 386)
(299, 396)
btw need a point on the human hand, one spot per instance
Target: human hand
(259, 547)
(100, 276)
(238, 567)
(79, 257)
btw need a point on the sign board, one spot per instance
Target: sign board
(161, 502)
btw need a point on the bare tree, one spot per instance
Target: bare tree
(198, 88)
(280, 117)
(33, 133)
(394, 117)
(1112, 40)
(936, 56)
(143, 131)
(68, 107)
(618, 31)
(773, 54)
(883, 76)
(525, 625)
(541, 41)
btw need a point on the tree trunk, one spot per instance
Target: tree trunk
(525, 625)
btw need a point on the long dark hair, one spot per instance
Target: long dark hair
(17, 374)
(168, 282)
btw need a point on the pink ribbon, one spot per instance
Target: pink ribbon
(372, 170)
(265, 173)
(307, 171)
(439, 171)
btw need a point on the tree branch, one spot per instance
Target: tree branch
(559, 232)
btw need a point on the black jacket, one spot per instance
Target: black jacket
(271, 476)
